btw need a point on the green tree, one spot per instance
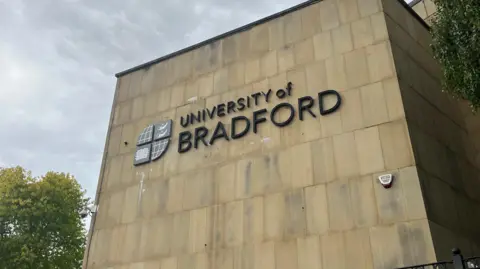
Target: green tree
(456, 45)
(40, 223)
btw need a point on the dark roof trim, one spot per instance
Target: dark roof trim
(414, 2)
(247, 27)
(224, 35)
(409, 8)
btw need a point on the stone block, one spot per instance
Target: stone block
(368, 7)
(393, 99)
(299, 79)
(292, 23)
(130, 207)
(311, 22)
(230, 49)
(148, 81)
(129, 135)
(154, 198)
(199, 189)
(134, 89)
(205, 59)
(259, 39)
(99, 247)
(339, 205)
(233, 224)
(253, 222)
(304, 52)
(163, 99)
(224, 258)
(269, 64)
(117, 239)
(180, 233)
(443, 211)
(251, 177)
(111, 178)
(396, 147)
(412, 239)
(177, 95)
(286, 254)
(205, 85)
(301, 165)
(127, 175)
(323, 161)
(331, 124)
(156, 236)
(363, 202)
(430, 7)
(342, 39)
(122, 113)
(336, 73)
(169, 263)
(357, 69)
(379, 27)
(224, 177)
(329, 15)
(295, 225)
(333, 251)
(123, 85)
(191, 91)
(182, 67)
(286, 58)
(274, 216)
(309, 252)
(151, 103)
(202, 261)
(220, 80)
(264, 255)
(252, 71)
(175, 194)
(374, 105)
(351, 111)
(380, 62)
(358, 250)
(316, 209)
(316, 77)
(391, 204)
(323, 45)
(346, 160)
(114, 141)
(199, 237)
(130, 243)
(362, 33)
(244, 45)
(276, 34)
(348, 10)
(236, 75)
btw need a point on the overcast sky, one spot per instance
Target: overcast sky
(57, 64)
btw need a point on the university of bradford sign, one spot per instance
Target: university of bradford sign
(154, 140)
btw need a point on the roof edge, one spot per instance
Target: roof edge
(247, 27)
(221, 36)
(414, 2)
(409, 8)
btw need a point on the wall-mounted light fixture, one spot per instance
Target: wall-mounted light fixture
(386, 180)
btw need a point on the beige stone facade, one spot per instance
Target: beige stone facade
(306, 195)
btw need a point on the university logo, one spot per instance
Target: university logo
(153, 142)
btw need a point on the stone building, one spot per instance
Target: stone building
(262, 148)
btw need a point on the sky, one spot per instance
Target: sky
(57, 64)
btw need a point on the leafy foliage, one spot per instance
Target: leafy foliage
(40, 223)
(456, 45)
